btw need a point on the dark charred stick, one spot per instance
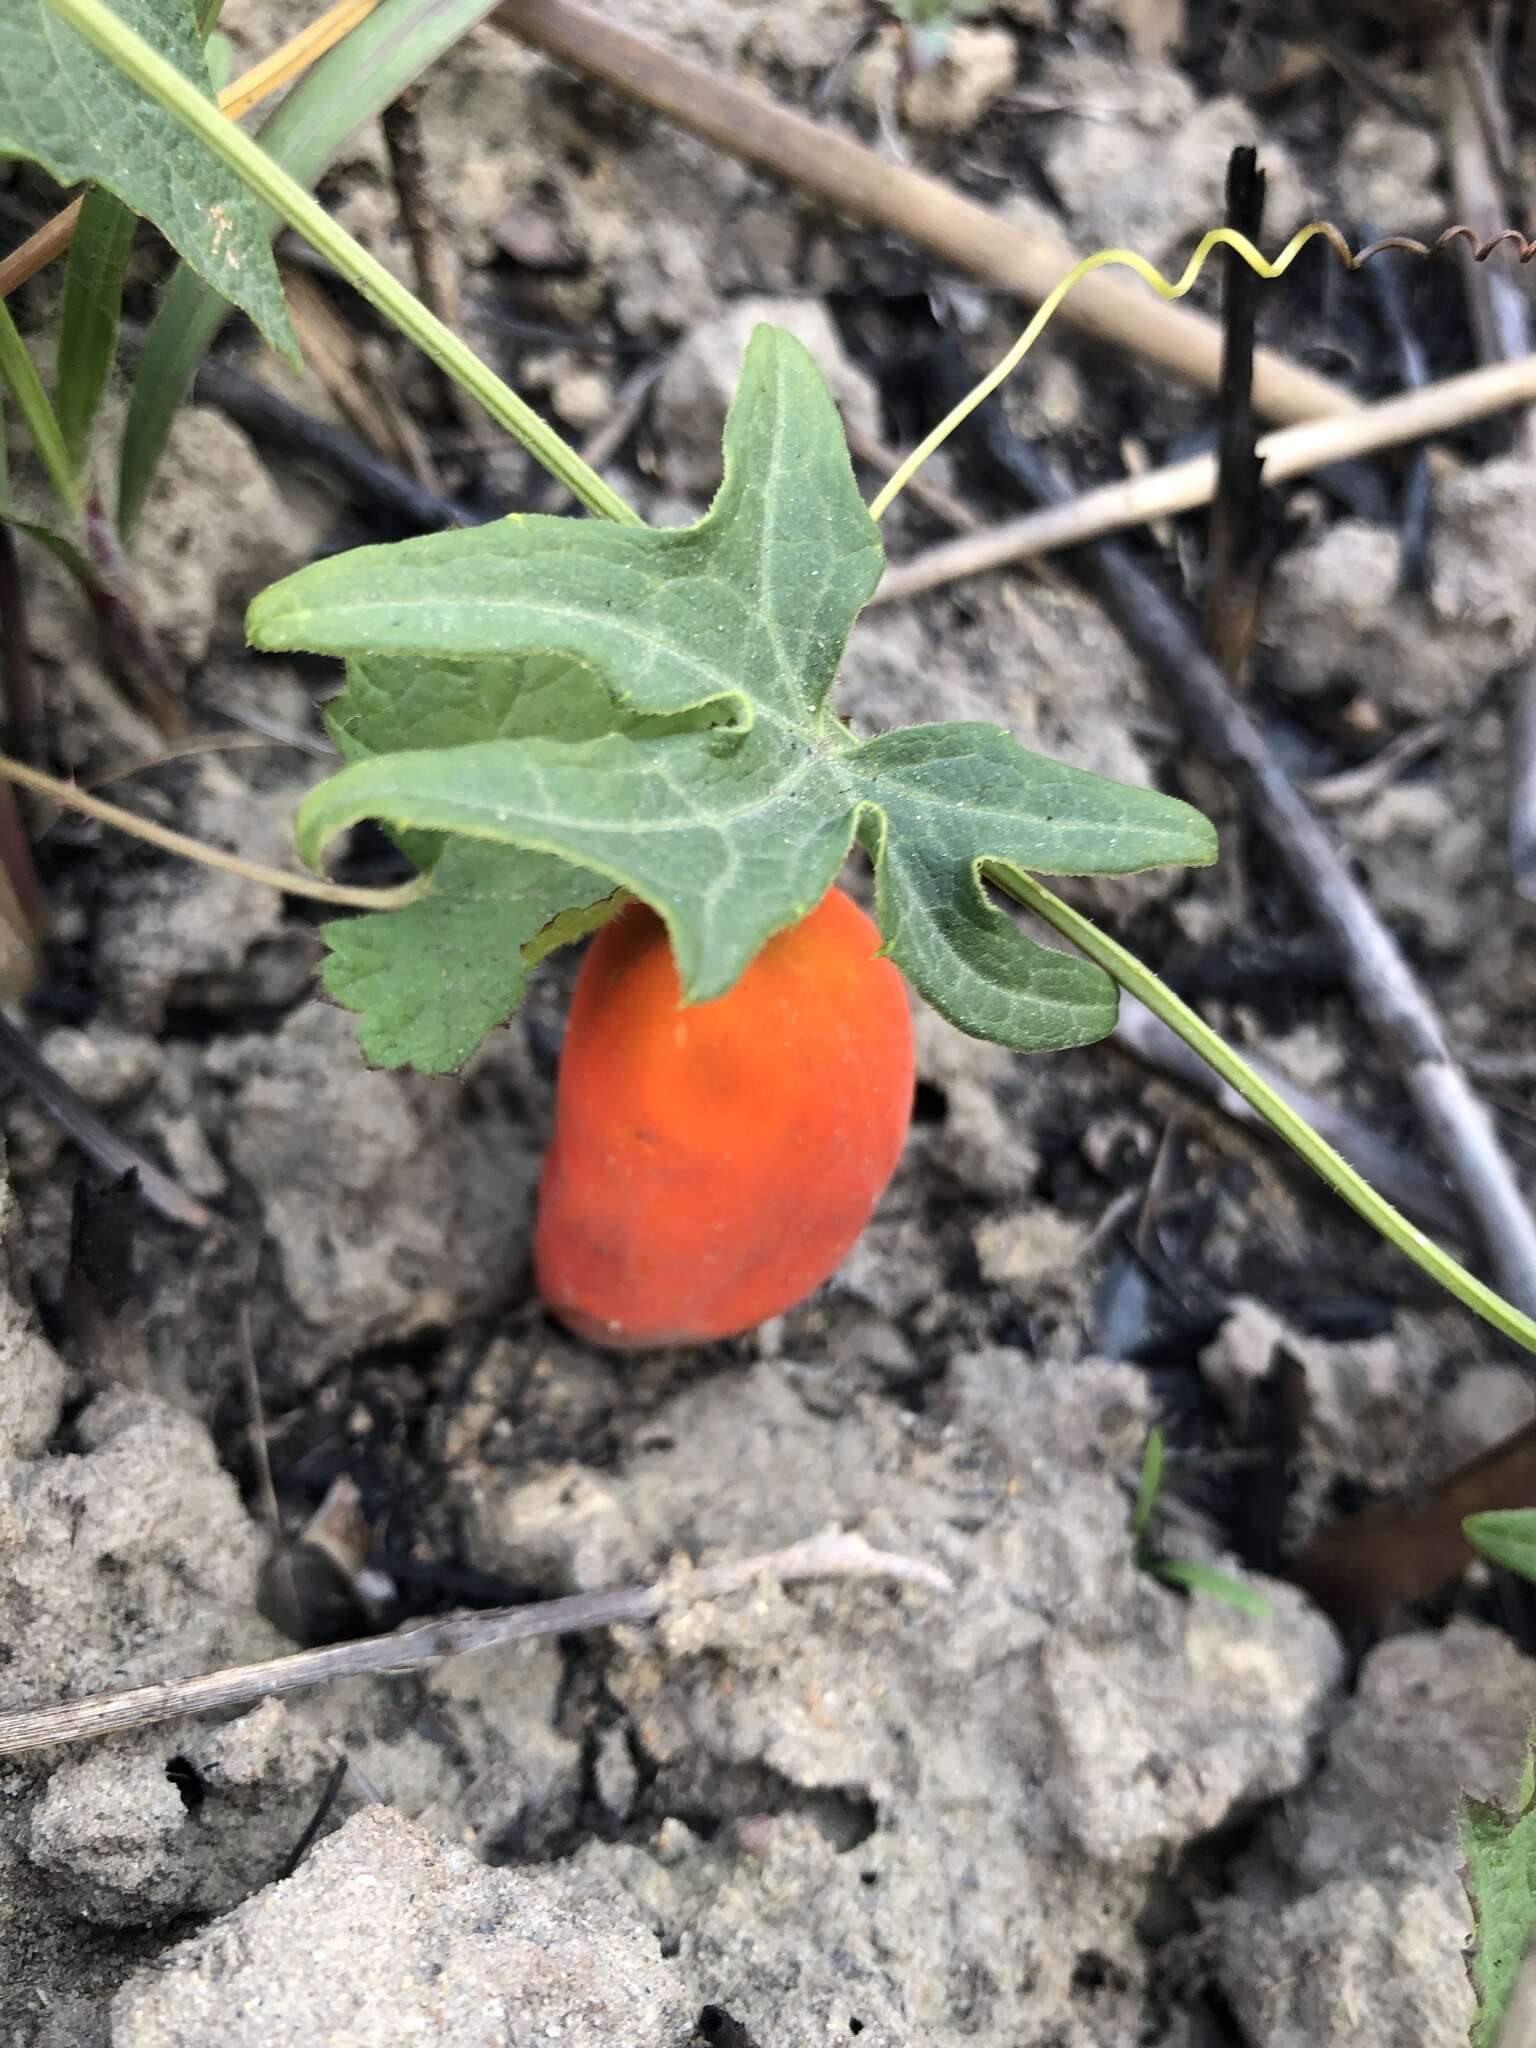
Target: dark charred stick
(25, 912)
(103, 1305)
(1385, 280)
(1383, 984)
(20, 1058)
(435, 284)
(329, 1793)
(1502, 324)
(1236, 552)
(277, 423)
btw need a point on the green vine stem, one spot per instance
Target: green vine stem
(1127, 970)
(94, 20)
(340, 893)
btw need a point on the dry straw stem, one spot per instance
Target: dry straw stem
(73, 798)
(922, 210)
(831, 1556)
(1185, 486)
(260, 82)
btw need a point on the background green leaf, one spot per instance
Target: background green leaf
(350, 85)
(1507, 1536)
(431, 980)
(714, 784)
(1500, 1876)
(68, 109)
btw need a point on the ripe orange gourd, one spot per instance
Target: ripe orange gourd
(712, 1165)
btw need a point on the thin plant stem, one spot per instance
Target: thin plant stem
(74, 798)
(94, 20)
(1130, 974)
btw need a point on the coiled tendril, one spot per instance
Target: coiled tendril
(1175, 288)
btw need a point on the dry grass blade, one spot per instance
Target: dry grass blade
(923, 210)
(831, 1556)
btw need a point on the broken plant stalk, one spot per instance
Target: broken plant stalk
(831, 1556)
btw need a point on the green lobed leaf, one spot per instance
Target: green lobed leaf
(1506, 1536)
(68, 109)
(1499, 1849)
(733, 815)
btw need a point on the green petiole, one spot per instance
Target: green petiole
(94, 20)
(1140, 981)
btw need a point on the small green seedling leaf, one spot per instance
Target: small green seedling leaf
(1150, 1485)
(1505, 1536)
(1182, 1572)
(68, 109)
(1500, 1876)
(1205, 1578)
(699, 766)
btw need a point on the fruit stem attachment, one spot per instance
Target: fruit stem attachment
(1125, 969)
(74, 798)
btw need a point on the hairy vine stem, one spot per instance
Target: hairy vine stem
(292, 883)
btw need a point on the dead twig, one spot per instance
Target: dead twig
(277, 423)
(114, 1155)
(925, 212)
(1406, 1183)
(933, 498)
(1384, 986)
(1385, 281)
(1185, 486)
(338, 357)
(834, 1555)
(432, 261)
